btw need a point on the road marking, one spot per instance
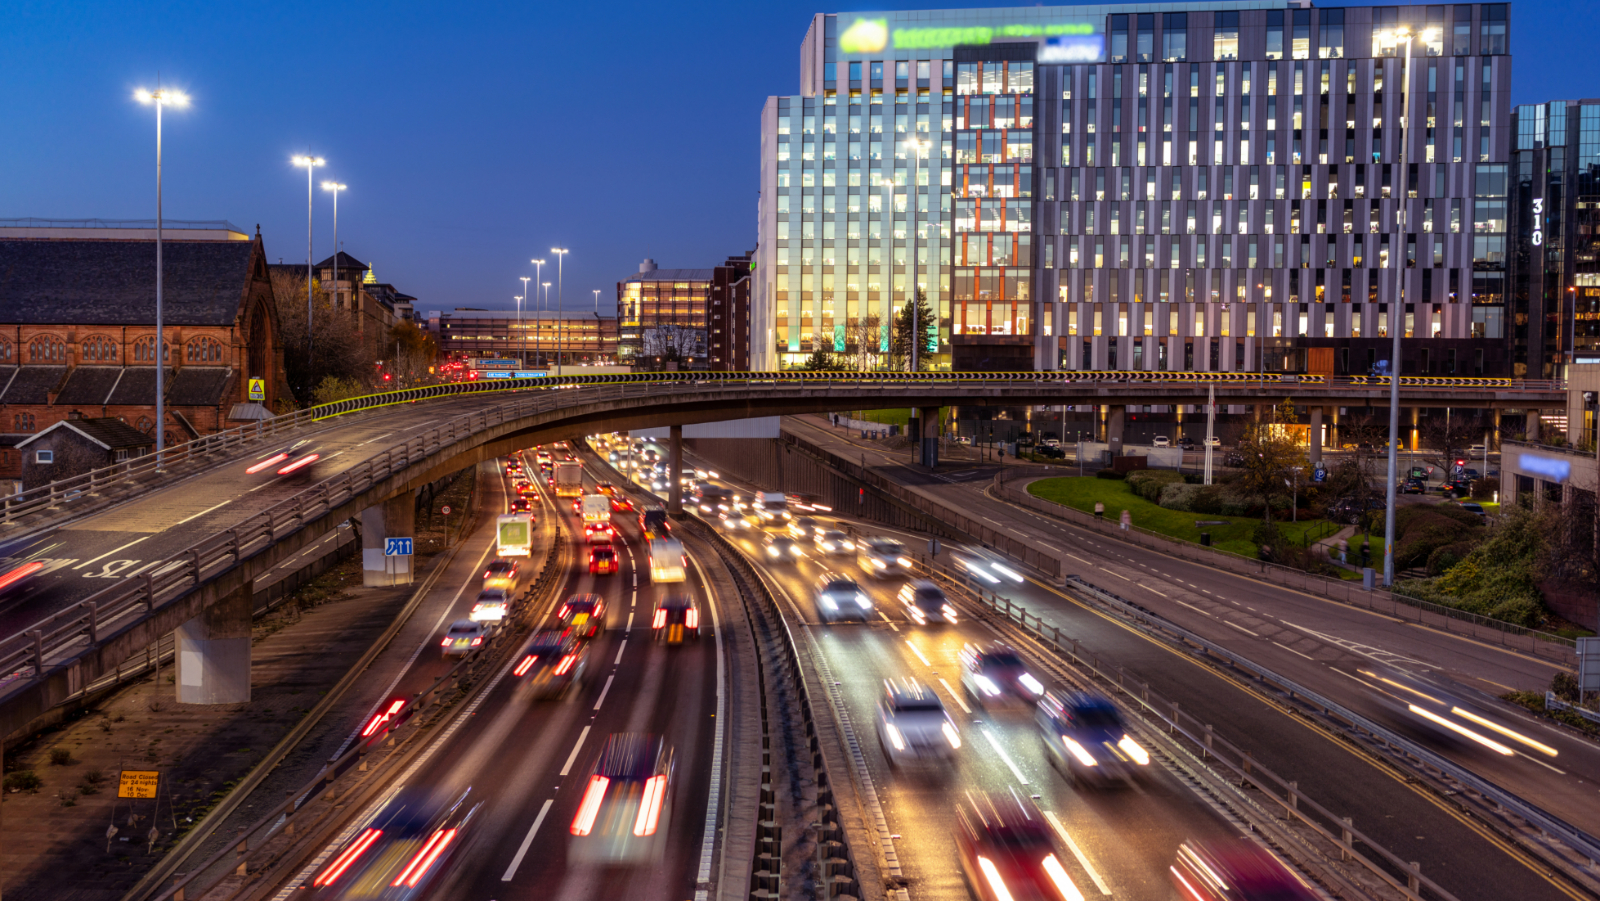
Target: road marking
(1240, 628)
(1194, 608)
(1117, 574)
(1540, 762)
(527, 841)
(620, 649)
(1154, 590)
(1004, 756)
(953, 694)
(567, 768)
(110, 552)
(1293, 651)
(603, 692)
(1079, 559)
(201, 513)
(1073, 847)
(914, 650)
(630, 622)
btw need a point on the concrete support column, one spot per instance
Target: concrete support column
(1314, 451)
(675, 473)
(213, 652)
(1114, 429)
(394, 518)
(1533, 427)
(928, 418)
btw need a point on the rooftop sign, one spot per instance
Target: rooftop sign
(1063, 37)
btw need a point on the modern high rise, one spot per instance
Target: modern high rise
(1182, 186)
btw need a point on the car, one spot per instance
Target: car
(625, 813)
(1161, 441)
(1233, 458)
(605, 488)
(403, 849)
(1213, 442)
(500, 574)
(1469, 473)
(599, 533)
(739, 519)
(491, 606)
(520, 505)
(1050, 451)
(881, 557)
(804, 528)
(1052, 442)
(1414, 486)
(523, 488)
(1477, 450)
(551, 664)
(463, 637)
(835, 543)
(1186, 443)
(1234, 870)
(995, 674)
(585, 614)
(676, 620)
(602, 561)
(913, 724)
(620, 504)
(1006, 851)
(1084, 735)
(1473, 507)
(782, 548)
(840, 597)
(925, 603)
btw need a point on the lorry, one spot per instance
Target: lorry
(569, 479)
(514, 534)
(772, 506)
(653, 520)
(667, 560)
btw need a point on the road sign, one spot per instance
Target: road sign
(139, 783)
(445, 509)
(1589, 664)
(397, 547)
(258, 389)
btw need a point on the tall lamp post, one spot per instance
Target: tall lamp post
(159, 98)
(544, 308)
(561, 304)
(518, 299)
(538, 342)
(1398, 36)
(597, 343)
(918, 147)
(521, 353)
(310, 163)
(335, 187)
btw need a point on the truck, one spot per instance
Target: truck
(595, 508)
(667, 560)
(569, 479)
(514, 534)
(772, 506)
(653, 520)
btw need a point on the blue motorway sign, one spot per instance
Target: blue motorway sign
(397, 547)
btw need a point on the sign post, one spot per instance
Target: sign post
(139, 783)
(392, 548)
(446, 511)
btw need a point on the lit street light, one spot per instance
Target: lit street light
(561, 305)
(335, 187)
(538, 342)
(310, 163)
(597, 344)
(520, 351)
(159, 98)
(547, 307)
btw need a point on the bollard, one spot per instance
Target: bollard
(1414, 877)
(1346, 840)
(1294, 796)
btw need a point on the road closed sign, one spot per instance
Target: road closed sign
(139, 783)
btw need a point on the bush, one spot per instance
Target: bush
(1482, 489)
(1180, 496)
(1445, 557)
(1147, 483)
(1565, 686)
(23, 781)
(61, 757)
(1109, 474)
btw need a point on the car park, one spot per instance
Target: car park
(840, 597)
(880, 557)
(995, 674)
(463, 637)
(926, 603)
(835, 543)
(585, 614)
(625, 813)
(913, 724)
(675, 620)
(551, 664)
(1085, 738)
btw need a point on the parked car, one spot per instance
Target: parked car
(1414, 486)
(1161, 441)
(1472, 507)
(1213, 442)
(1186, 443)
(1050, 452)
(1477, 450)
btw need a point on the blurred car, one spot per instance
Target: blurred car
(1237, 870)
(620, 504)
(1050, 451)
(1473, 507)
(605, 488)
(1007, 853)
(926, 603)
(736, 518)
(675, 620)
(1477, 450)
(602, 561)
(400, 852)
(995, 674)
(500, 574)
(1213, 442)
(1084, 734)
(491, 606)
(1232, 458)
(782, 548)
(881, 557)
(913, 724)
(585, 614)
(520, 505)
(835, 543)
(625, 813)
(1186, 443)
(804, 528)
(524, 488)
(1414, 486)
(1161, 441)
(840, 597)
(463, 637)
(551, 663)
(599, 532)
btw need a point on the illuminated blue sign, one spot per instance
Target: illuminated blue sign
(1554, 469)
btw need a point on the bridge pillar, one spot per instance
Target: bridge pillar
(213, 652)
(1114, 429)
(1531, 426)
(394, 518)
(675, 473)
(928, 422)
(1314, 452)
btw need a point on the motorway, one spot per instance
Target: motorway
(527, 761)
(1129, 837)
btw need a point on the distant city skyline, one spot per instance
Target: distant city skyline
(459, 169)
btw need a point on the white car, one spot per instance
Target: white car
(463, 637)
(835, 543)
(880, 557)
(1477, 450)
(1161, 441)
(1213, 442)
(783, 549)
(491, 606)
(840, 597)
(913, 724)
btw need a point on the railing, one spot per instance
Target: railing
(1551, 702)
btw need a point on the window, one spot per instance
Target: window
(1119, 39)
(1274, 34)
(1461, 41)
(1174, 37)
(5, 352)
(22, 422)
(1330, 37)
(47, 350)
(1301, 46)
(1225, 39)
(44, 456)
(1492, 33)
(99, 349)
(144, 350)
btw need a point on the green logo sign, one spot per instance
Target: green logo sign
(865, 36)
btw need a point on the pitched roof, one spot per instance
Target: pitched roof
(347, 263)
(114, 282)
(33, 384)
(109, 433)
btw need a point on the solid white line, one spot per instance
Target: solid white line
(603, 691)
(1004, 756)
(527, 841)
(925, 661)
(1293, 651)
(1073, 847)
(110, 552)
(201, 513)
(1240, 628)
(620, 648)
(953, 694)
(567, 768)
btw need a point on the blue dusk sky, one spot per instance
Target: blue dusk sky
(472, 136)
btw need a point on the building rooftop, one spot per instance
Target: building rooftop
(120, 229)
(109, 433)
(113, 282)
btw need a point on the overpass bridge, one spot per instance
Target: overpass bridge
(127, 554)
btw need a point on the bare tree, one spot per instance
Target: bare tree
(864, 342)
(411, 351)
(673, 343)
(1449, 435)
(335, 348)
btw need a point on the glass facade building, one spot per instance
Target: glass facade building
(1182, 186)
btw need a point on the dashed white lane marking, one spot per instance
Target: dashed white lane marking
(604, 692)
(201, 513)
(527, 840)
(1154, 590)
(918, 652)
(995, 742)
(1293, 651)
(630, 622)
(1117, 574)
(953, 694)
(571, 758)
(1079, 559)
(1194, 608)
(1073, 847)
(620, 648)
(1240, 628)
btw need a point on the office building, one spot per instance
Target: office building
(686, 318)
(1182, 186)
(539, 338)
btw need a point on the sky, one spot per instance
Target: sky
(473, 137)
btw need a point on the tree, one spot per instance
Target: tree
(1268, 463)
(863, 342)
(673, 343)
(820, 361)
(412, 352)
(905, 332)
(337, 350)
(1450, 435)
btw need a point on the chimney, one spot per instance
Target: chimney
(74, 415)
(648, 265)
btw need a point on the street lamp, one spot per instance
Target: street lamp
(159, 98)
(538, 342)
(597, 344)
(919, 147)
(519, 308)
(310, 163)
(561, 305)
(547, 307)
(335, 187)
(1400, 35)
(521, 354)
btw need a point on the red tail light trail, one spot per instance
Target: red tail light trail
(589, 808)
(343, 861)
(301, 463)
(274, 459)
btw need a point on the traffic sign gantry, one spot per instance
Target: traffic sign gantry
(397, 547)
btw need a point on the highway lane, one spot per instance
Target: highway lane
(528, 761)
(1465, 861)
